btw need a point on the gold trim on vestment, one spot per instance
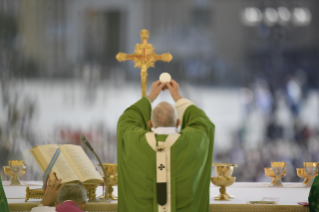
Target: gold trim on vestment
(112, 207)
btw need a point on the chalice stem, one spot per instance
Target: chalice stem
(114, 197)
(229, 196)
(111, 195)
(222, 196)
(278, 182)
(16, 170)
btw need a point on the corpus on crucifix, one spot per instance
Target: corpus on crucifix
(144, 57)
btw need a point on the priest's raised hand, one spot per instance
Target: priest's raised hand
(157, 87)
(173, 87)
(160, 169)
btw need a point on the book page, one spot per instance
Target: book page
(81, 163)
(61, 167)
(33, 152)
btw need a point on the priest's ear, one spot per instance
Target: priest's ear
(150, 124)
(178, 122)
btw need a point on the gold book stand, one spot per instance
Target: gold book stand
(39, 192)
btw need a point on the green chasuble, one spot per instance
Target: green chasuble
(191, 161)
(313, 198)
(3, 200)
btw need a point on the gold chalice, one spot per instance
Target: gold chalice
(278, 168)
(225, 170)
(7, 171)
(310, 168)
(270, 173)
(223, 182)
(16, 167)
(303, 174)
(111, 170)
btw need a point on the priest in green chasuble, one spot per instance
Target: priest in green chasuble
(163, 170)
(3, 200)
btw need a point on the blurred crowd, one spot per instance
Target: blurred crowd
(291, 139)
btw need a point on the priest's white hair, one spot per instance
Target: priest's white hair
(76, 193)
(163, 115)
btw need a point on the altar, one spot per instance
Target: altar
(288, 198)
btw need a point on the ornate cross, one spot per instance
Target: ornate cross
(144, 57)
(161, 167)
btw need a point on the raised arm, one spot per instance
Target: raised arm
(187, 112)
(136, 116)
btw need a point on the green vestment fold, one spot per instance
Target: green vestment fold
(191, 161)
(3, 200)
(314, 196)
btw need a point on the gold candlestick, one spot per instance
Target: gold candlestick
(144, 57)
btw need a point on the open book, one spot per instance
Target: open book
(72, 164)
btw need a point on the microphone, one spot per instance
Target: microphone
(88, 144)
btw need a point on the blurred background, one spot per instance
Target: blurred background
(252, 65)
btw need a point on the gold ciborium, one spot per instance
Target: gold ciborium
(270, 173)
(7, 171)
(303, 174)
(223, 182)
(310, 168)
(278, 168)
(224, 170)
(16, 167)
(111, 170)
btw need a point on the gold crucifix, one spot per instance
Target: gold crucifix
(144, 57)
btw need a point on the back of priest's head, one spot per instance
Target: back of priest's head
(76, 193)
(164, 115)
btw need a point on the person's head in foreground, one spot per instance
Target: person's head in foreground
(164, 115)
(74, 192)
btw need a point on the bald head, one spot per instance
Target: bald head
(163, 115)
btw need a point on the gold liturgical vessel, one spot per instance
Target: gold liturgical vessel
(270, 173)
(303, 174)
(144, 57)
(16, 167)
(224, 178)
(278, 168)
(39, 192)
(8, 171)
(310, 168)
(111, 170)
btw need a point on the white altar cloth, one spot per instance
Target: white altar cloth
(244, 192)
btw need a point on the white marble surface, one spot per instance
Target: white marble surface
(244, 192)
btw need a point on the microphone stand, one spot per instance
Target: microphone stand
(106, 196)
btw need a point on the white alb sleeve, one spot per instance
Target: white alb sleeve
(181, 105)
